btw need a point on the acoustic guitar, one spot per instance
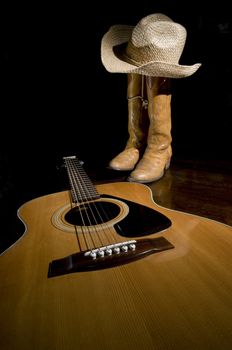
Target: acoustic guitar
(105, 268)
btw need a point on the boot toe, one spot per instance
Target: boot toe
(125, 160)
(151, 167)
(145, 177)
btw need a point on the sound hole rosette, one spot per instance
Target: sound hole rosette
(59, 221)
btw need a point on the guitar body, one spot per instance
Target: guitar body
(179, 298)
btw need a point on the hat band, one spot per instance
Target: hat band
(130, 60)
(144, 55)
(120, 51)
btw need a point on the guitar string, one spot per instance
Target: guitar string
(83, 206)
(77, 182)
(75, 198)
(86, 191)
(83, 182)
(104, 211)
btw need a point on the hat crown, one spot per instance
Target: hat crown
(156, 38)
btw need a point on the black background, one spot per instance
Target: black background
(58, 99)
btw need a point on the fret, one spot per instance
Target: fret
(82, 188)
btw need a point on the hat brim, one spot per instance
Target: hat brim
(120, 34)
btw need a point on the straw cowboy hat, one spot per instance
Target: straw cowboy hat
(153, 47)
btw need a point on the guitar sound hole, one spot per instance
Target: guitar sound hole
(93, 213)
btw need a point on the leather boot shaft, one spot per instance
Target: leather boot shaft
(158, 152)
(137, 115)
(159, 111)
(137, 125)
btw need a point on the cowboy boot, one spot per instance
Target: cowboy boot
(157, 155)
(137, 127)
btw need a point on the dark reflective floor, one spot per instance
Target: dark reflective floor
(197, 187)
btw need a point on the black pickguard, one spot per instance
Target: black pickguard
(140, 221)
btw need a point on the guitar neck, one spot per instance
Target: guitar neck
(82, 188)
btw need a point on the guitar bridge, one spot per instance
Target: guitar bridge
(108, 250)
(108, 256)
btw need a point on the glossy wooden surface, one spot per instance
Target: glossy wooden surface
(178, 299)
(199, 187)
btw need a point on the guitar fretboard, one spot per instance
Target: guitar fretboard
(82, 189)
